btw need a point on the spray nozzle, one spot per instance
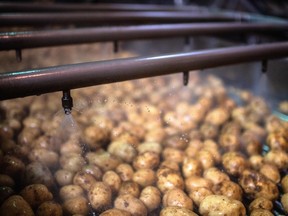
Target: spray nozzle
(67, 102)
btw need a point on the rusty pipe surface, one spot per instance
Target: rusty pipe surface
(32, 39)
(40, 7)
(105, 18)
(51, 79)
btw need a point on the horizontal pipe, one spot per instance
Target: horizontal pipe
(40, 7)
(32, 39)
(51, 79)
(105, 18)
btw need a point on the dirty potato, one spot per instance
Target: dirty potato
(113, 180)
(49, 208)
(198, 194)
(115, 212)
(16, 205)
(177, 197)
(131, 204)
(125, 171)
(197, 182)
(151, 197)
(175, 210)
(271, 172)
(215, 175)
(100, 196)
(234, 163)
(64, 177)
(71, 191)
(130, 187)
(228, 189)
(84, 180)
(169, 179)
(261, 203)
(191, 167)
(144, 177)
(77, 205)
(147, 160)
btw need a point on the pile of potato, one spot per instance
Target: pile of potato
(144, 147)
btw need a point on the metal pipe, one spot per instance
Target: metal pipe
(40, 7)
(51, 79)
(105, 18)
(32, 39)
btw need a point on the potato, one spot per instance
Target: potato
(95, 136)
(151, 197)
(113, 180)
(6, 180)
(64, 177)
(284, 202)
(209, 131)
(104, 160)
(278, 158)
(261, 212)
(71, 147)
(261, 203)
(5, 192)
(257, 185)
(175, 141)
(77, 205)
(44, 156)
(131, 204)
(217, 116)
(215, 175)
(169, 179)
(234, 163)
(206, 159)
(49, 208)
(12, 166)
(229, 142)
(130, 187)
(147, 160)
(16, 205)
(115, 212)
(191, 167)
(212, 147)
(84, 180)
(172, 154)
(100, 196)
(228, 189)
(271, 172)
(72, 162)
(221, 205)
(277, 141)
(36, 194)
(37, 173)
(71, 191)
(175, 210)
(284, 183)
(194, 147)
(144, 177)
(198, 194)
(256, 161)
(169, 164)
(177, 197)
(197, 182)
(123, 150)
(93, 170)
(125, 171)
(149, 146)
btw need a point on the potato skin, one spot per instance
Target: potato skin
(177, 197)
(151, 197)
(131, 204)
(221, 205)
(191, 167)
(71, 191)
(146, 160)
(169, 179)
(49, 208)
(229, 189)
(130, 187)
(125, 171)
(77, 205)
(195, 182)
(100, 196)
(284, 183)
(176, 210)
(215, 175)
(64, 177)
(16, 205)
(84, 180)
(234, 163)
(261, 203)
(144, 177)
(36, 194)
(113, 180)
(6, 180)
(115, 212)
(261, 212)
(284, 202)
(198, 194)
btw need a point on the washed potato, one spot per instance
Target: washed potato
(84, 180)
(169, 179)
(197, 182)
(72, 162)
(131, 204)
(206, 159)
(261, 212)
(257, 185)
(104, 160)
(71, 191)
(125, 171)
(228, 189)
(147, 160)
(16, 205)
(113, 180)
(77, 205)
(44, 156)
(170, 165)
(215, 175)
(123, 150)
(115, 212)
(100, 196)
(149, 146)
(193, 147)
(284, 202)
(261, 203)
(93, 170)
(175, 210)
(151, 197)
(144, 177)
(191, 167)
(234, 163)
(177, 197)
(49, 208)
(6, 180)
(284, 183)
(173, 154)
(130, 187)
(256, 161)
(198, 194)
(36, 194)
(64, 177)
(271, 172)
(221, 205)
